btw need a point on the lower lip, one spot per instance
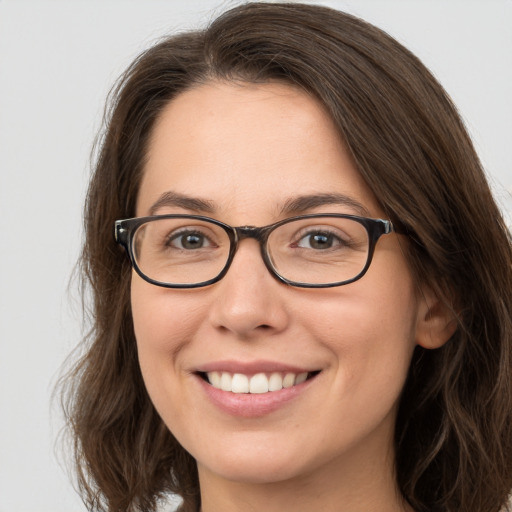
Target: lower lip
(252, 405)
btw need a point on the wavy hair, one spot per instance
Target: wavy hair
(453, 438)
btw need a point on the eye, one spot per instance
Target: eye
(319, 240)
(188, 240)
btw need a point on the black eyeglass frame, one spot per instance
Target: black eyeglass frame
(124, 232)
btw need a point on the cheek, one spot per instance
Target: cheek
(162, 318)
(369, 328)
(163, 325)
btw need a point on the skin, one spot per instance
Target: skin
(247, 149)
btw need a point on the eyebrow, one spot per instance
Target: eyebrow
(301, 204)
(292, 206)
(195, 204)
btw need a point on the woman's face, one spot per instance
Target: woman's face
(246, 151)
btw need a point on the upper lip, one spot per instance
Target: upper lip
(252, 367)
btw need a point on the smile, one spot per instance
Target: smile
(252, 390)
(258, 383)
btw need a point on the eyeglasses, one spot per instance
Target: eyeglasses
(308, 251)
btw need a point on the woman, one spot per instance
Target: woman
(316, 308)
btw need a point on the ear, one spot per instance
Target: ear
(436, 322)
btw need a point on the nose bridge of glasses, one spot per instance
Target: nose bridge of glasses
(259, 234)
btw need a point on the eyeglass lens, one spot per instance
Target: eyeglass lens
(318, 250)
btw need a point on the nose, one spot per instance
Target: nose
(249, 301)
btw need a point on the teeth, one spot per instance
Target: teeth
(289, 380)
(239, 384)
(257, 384)
(301, 378)
(275, 383)
(226, 382)
(214, 378)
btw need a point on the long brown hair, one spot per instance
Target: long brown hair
(454, 428)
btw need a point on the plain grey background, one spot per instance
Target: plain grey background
(58, 60)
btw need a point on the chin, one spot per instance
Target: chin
(259, 462)
(266, 470)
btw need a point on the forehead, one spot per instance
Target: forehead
(247, 148)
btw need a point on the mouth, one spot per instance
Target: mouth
(258, 383)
